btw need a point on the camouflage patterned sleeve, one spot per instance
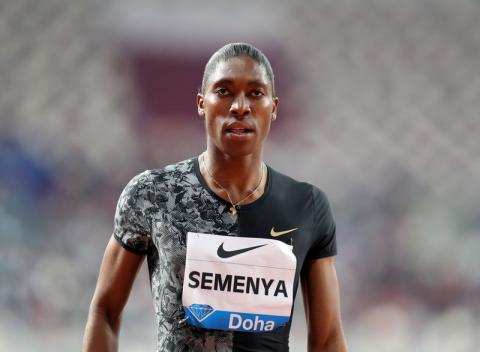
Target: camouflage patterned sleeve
(132, 226)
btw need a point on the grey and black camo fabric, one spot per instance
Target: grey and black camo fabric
(154, 213)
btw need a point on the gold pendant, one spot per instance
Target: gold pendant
(233, 210)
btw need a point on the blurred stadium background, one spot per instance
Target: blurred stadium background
(380, 107)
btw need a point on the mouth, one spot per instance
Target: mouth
(239, 131)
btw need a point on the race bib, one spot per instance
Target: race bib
(238, 283)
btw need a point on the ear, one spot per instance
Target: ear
(275, 108)
(200, 105)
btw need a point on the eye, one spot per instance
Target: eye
(257, 93)
(222, 91)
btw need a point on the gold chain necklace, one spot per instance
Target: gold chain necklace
(233, 208)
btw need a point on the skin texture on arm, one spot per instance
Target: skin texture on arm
(117, 274)
(322, 306)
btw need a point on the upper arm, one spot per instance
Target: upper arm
(117, 273)
(125, 251)
(324, 243)
(133, 222)
(322, 304)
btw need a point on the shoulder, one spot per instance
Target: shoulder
(152, 177)
(173, 172)
(148, 180)
(138, 185)
(291, 187)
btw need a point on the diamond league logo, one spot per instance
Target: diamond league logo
(201, 311)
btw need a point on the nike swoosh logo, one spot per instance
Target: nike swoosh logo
(279, 233)
(222, 253)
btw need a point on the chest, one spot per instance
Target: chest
(199, 213)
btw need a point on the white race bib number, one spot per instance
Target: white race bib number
(238, 283)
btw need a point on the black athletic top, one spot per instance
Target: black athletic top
(158, 208)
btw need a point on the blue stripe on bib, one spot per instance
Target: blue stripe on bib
(205, 316)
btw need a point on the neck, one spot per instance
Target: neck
(239, 176)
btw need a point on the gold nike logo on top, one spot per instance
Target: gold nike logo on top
(279, 233)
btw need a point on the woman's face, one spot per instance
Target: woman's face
(237, 106)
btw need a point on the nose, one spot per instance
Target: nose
(240, 106)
